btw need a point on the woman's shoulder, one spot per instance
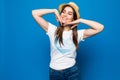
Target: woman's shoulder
(51, 25)
(51, 28)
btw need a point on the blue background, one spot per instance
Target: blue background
(24, 46)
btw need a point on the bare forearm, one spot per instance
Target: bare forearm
(41, 12)
(92, 24)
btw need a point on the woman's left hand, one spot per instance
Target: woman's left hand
(73, 25)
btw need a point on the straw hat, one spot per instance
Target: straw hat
(73, 5)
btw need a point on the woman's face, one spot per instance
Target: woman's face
(67, 15)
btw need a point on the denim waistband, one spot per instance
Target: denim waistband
(67, 69)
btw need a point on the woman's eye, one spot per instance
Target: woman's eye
(70, 13)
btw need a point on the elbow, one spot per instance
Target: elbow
(36, 13)
(33, 12)
(100, 29)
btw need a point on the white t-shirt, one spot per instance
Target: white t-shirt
(63, 56)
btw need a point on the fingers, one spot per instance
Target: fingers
(68, 24)
(74, 26)
(58, 18)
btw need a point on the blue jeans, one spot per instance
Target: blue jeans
(71, 73)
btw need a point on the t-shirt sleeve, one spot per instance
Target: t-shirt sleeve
(80, 35)
(51, 29)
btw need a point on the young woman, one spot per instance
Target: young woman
(64, 39)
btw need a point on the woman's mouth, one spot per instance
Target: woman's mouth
(64, 18)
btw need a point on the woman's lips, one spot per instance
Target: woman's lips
(64, 19)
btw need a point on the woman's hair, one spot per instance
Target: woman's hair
(59, 31)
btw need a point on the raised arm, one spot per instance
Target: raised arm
(37, 14)
(95, 27)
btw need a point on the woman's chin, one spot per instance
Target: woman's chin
(64, 22)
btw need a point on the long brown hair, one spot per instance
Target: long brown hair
(59, 31)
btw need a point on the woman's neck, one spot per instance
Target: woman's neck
(66, 28)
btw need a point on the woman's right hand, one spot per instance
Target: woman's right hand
(58, 16)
